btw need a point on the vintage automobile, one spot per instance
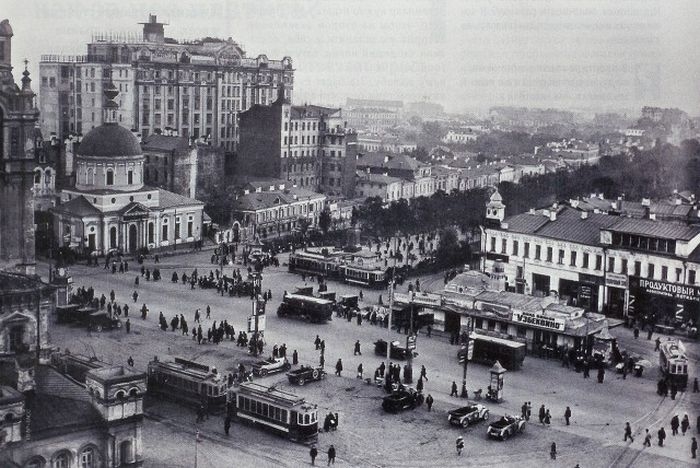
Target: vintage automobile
(270, 366)
(505, 427)
(402, 399)
(467, 415)
(305, 374)
(99, 321)
(397, 351)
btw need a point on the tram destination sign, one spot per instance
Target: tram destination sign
(540, 321)
(678, 292)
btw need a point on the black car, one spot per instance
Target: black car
(397, 351)
(400, 400)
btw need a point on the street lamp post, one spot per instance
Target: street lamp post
(466, 358)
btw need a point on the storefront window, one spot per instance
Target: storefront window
(521, 332)
(478, 323)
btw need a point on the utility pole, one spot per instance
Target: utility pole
(466, 358)
(410, 344)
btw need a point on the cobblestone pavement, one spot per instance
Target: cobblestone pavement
(367, 436)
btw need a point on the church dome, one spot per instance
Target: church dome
(496, 197)
(109, 140)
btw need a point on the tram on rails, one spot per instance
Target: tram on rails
(366, 275)
(673, 363)
(274, 410)
(314, 264)
(189, 382)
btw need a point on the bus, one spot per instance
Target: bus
(275, 410)
(313, 309)
(314, 264)
(365, 275)
(673, 363)
(489, 349)
(188, 382)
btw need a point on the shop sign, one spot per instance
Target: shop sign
(495, 257)
(540, 321)
(616, 280)
(500, 310)
(422, 299)
(678, 292)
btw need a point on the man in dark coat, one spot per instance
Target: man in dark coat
(429, 402)
(662, 435)
(675, 422)
(313, 453)
(567, 415)
(454, 389)
(338, 367)
(331, 455)
(542, 413)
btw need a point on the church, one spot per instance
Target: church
(109, 208)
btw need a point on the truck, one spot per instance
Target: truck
(312, 309)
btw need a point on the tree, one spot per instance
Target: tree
(303, 224)
(325, 220)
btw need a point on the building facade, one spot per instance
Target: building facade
(197, 88)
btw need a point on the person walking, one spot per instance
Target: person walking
(317, 342)
(331, 455)
(208, 311)
(423, 372)
(647, 439)
(359, 371)
(547, 418)
(429, 402)
(128, 325)
(542, 413)
(661, 435)
(313, 453)
(628, 432)
(357, 348)
(567, 415)
(685, 424)
(227, 424)
(675, 422)
(694, 448)
(696, 386)
(553, 451)
(459, 445)
(454, 389)
(658, 343)
(130, 361)
(338, 367)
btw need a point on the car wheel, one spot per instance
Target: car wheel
(302, 381)
(486, 416)
(506, 434)
(465, 423)
(263, 372)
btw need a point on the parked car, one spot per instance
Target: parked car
(270, 366)
(400, 400)
(397, 351)
(505, 427)
(467, 415)
(305, 374)
(99, 321)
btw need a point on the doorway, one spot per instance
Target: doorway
(132, 238)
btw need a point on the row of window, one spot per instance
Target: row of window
(263, 409)
(310, 140)
(87, 458)
(615, 265)
(304, 126)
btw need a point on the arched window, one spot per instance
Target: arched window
(35, 462)
(88, 458)
(47, 177)
(61, 460)
(37, 176)
(134, 392)
(121, 395)
(110, 177)
(89, 176)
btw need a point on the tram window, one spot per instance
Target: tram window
(307, 419)
(258, 407)
(313, 417)
(284, 415)
(300, 418)
(277, 414)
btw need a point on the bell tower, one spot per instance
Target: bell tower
(495, 210)
(18, 117)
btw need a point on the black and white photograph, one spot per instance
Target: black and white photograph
(369, 233)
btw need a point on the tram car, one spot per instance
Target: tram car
(323, 263)
(673, 363)
(365, 275)
(188, 382)
(274, 410)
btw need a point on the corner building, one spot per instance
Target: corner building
(196, 88)
(603, 263)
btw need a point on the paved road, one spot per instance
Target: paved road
(368, 437)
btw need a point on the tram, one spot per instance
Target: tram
(274, 410)
(673, 363)
(371, 276)
(315, 264)
(188, 382)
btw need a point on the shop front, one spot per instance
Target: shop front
(662, 302)
(617, 285)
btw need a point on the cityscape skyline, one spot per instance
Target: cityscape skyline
(468, 57)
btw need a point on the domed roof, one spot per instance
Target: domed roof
(5, 28)
(110, 140)
(496, 197)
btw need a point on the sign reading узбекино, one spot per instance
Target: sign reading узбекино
(539, 321)
(679, 292)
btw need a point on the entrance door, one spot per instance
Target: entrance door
(91, 242)
(452, 322)
(17, 338)
(132, 238)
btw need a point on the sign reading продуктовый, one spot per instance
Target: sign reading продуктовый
(678, 292)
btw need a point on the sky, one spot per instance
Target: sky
(469, 55)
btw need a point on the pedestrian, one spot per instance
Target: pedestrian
(419, 385)
(696, 387)
(331, 455)
(628, 432)
(317, 342)
(359, 371)
(694, 448)
(658, 343)
(553, 451)
(227, 424)
(661, 435)
(547, 418)
(135, 296)
(459, 445)
(128, 326)
(313, 453)
(529, 410)
(675, 422)
(423, 373)
(523, 411)
(208, 311)
(647, 438)
(685, 424)
(636, 333)
(454, 389)
(650, 332)
(567, 415)
(429, 402)
(130, 361)
(295, 357)
(357, 348)
(674, 390)
(542, 413)
(338, 367)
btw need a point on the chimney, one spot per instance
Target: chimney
(584, 215)
(652, 216)
(613, 205)
(601, 196)
(532, 211)
(646, 202)
(678, 200)
(552, 215)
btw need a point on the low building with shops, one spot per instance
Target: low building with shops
(600, 262)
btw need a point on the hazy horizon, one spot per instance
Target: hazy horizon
(467, 55)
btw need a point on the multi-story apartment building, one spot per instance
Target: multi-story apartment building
(308, 145)
(196, 88)
(601, 262)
